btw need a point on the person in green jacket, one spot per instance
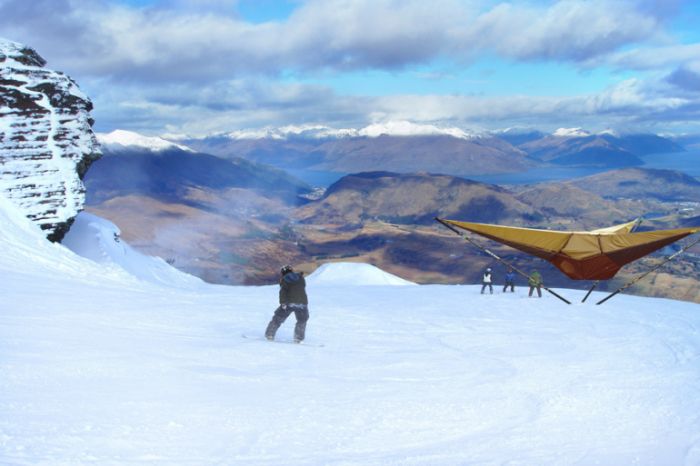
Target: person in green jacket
(292, 299)
(535, 281)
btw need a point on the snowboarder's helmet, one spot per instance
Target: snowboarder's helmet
(286, 269)
(489, 269)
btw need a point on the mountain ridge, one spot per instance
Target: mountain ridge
(477, 154)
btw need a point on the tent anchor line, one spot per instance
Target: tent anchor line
(495, 256)
(595, 284)
(657, 266)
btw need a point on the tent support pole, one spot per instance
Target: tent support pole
(635, 280)
(487, 251)
(595, 284)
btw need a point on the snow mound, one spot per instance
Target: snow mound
(354, 274)
(99, 240)
(119, 138)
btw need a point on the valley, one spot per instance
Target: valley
(239, 233)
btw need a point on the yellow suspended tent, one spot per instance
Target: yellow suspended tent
(580, 255)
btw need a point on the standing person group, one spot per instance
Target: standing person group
(487, 281)
(534, 280)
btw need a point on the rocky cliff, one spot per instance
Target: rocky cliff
(46, 139)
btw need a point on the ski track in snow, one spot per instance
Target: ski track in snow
(101, 368)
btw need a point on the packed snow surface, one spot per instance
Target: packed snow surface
(100, 367)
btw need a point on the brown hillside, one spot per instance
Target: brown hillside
(642, 183)
(414, 199)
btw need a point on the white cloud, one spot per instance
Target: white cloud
(649, 58)
(567, 30)
(306, 108)
(201, 45)
(191, 70)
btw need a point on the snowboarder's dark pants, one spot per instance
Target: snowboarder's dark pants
(483, 287)
(511, 285)
(301, 312)
(539, 290)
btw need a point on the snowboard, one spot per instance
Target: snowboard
(277, 340)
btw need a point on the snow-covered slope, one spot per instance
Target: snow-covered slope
(101, 368)
(46, 139)
(99, 240)
(119, 139)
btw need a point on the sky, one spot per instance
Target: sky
(200, 67)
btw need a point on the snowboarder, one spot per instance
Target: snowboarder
(535, 281)
(292, 298)
(486, 281)
(510, 281)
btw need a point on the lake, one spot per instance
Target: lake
(687, 162)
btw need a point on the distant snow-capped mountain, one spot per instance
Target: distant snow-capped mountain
(134, 164)
(407, 147)
(46, 139)
(571, 133)
(400, 147)
(119, 139)
(391, 128)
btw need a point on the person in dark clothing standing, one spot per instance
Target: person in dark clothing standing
(292, 299)
(510, 281)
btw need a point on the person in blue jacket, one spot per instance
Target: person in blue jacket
(510, 281)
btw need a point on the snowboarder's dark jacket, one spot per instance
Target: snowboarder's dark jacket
(293, 289)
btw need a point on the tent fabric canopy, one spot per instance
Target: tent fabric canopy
(581, 255)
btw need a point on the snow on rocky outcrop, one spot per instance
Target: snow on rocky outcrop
(46, 139)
